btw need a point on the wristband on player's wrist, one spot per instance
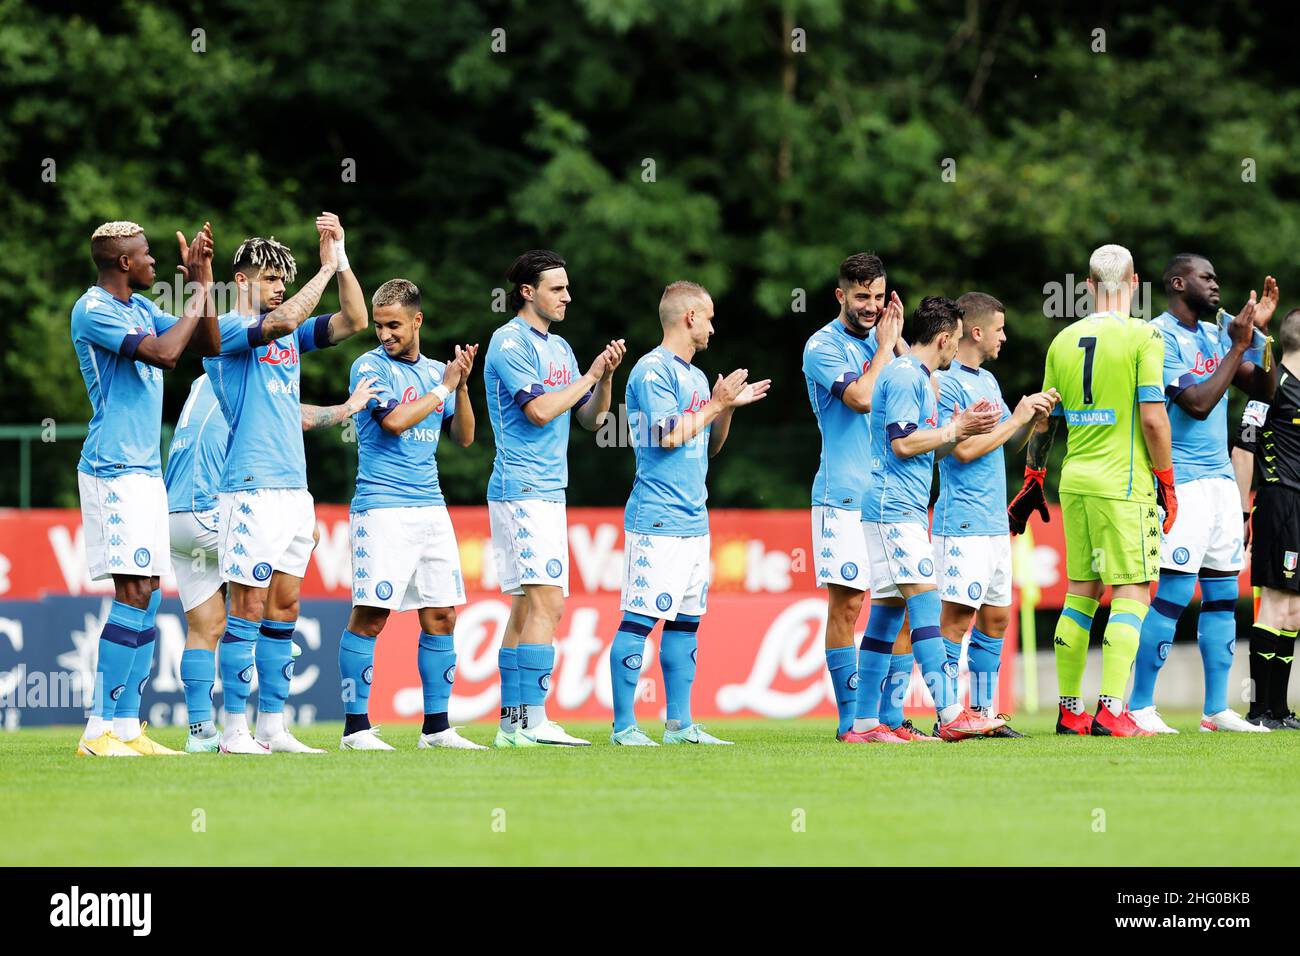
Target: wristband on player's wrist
(1039, 474)
(441, 392)
(341, 255)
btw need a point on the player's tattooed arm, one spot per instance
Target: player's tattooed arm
(352, 316)
(316, 416)
(298, 309)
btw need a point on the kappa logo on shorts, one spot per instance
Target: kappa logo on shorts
(554, 567)
(954, 552)
(899, 553)
(112, 498)
(116, 562)
(644, 542)
(975, 590)
(642, 562)
(640, 582)
(359, 594)
(361, 533)
(529, 574)
(951, 571)
(116, 541)
(827, 553)
(362, 553)
(235, 571)
(383, 590)
(527, 554)
(521, 513)
(926, 567)
(893, 534)
(261, 571)
(244, 508)
(848, 570)
(904, 573)
(664, 601)
(141, 557)
(637, 601)
(246, 675)
(1181, 555)
(240, 550)
(242, 528)
(824, 573)
(115, 518)
(827, 533)
(950, 590)
(368, 675)
(632, 662)
(523, 533)
(362, 573)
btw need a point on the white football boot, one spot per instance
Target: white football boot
(241, 742)
(447, 738)
(367, 739)
(286, 743)
(551, 734)
(1230, 720)
(1148, 718)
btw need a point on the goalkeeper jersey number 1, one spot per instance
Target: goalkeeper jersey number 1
(1103, 366)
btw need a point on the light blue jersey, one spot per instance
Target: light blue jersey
(259, 389)
(669, 494)
(125, 395)
(972, 495)
(522, 363)
(198, 451)
(398, 471)
(1200, 447)
(902, 402)
(833, 359)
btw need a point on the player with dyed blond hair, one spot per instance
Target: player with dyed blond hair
(124, 342)
(1108, 370)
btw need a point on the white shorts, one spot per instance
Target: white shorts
(1207, 531)
(124, 523)
(263, 530)
(839, 547)
(405, 558)
(530, 543)
(194, 556)
(665, 576)
(974, 569)
(899, 554)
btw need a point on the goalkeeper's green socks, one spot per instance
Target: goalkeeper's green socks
(1119, 647)
(1071, 647)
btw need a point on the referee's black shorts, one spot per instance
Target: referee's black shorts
(1275, 539)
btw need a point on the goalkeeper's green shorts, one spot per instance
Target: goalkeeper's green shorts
(1115, 540)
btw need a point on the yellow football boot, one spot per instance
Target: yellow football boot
(105, 745)
(146, 747)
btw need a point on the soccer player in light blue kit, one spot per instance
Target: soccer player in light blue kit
(676, 427)
(972, 539)
(841, 364)
(1202, 358)
(404, 551)
(123, 343)
(905, 439)
(267, 523)
(532, 382)
(195, 461)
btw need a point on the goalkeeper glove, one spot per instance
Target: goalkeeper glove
(1029, 500)
(1166, 497)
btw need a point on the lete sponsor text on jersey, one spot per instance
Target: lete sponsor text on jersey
(276, 354)
(558, 376)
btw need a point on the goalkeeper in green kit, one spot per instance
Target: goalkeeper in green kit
(1108, 370)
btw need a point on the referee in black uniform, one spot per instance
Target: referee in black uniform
(1275, 542)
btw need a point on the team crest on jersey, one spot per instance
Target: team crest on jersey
(848, 570)
(975, 590)
(383, 590)
(664, 601)
(554, 567)
(141, 557)
(1181, 555)
(277, 354)
(926, 567)
(261, 571)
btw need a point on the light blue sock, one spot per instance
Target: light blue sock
(625, 658)
(844, 678)
(1173, 594)
(877, 647)
(436, 661)
(894, 694)
(117, 647)
(128, 705)
(508, 666)
(274, 657)
(535, 663)
(984, 657)
(677, 659)
(198, 672)
(235, 661)
(356, 671)
(939, 674)
(1216, 635)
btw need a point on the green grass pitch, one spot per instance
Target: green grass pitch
(787, 793)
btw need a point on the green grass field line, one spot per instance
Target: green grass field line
(1195, 799)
